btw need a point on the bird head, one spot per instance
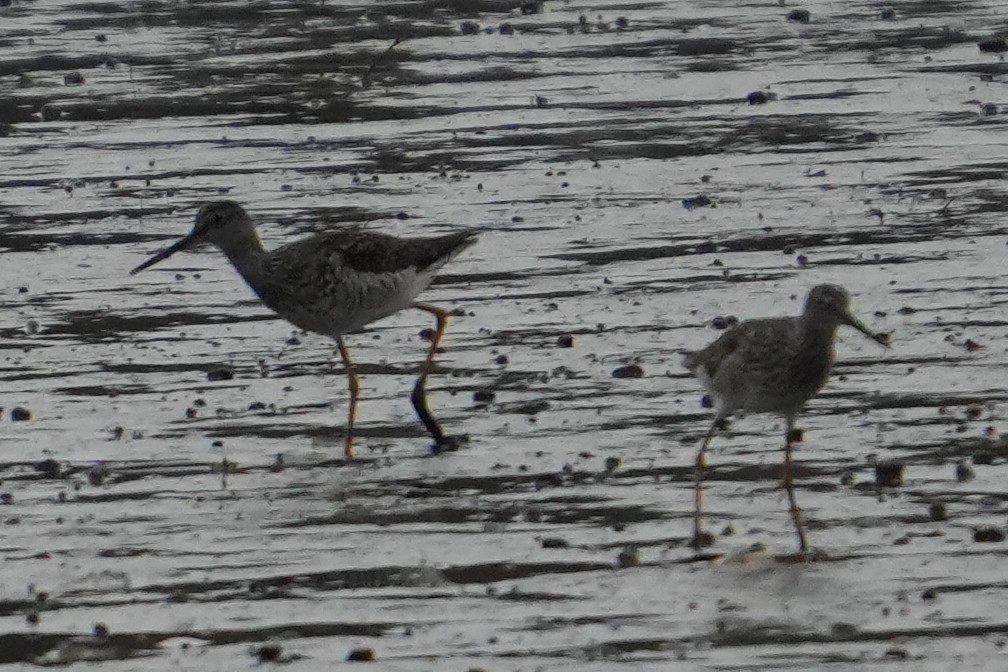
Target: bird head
(830, 305)
(219, 223)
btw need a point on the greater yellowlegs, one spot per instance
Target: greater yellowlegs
(334, 283)
(772, 365)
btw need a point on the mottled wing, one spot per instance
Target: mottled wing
(746, 358)
(380, 253)
(334, 283)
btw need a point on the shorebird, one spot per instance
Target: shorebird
(334, 283)
(771, 365)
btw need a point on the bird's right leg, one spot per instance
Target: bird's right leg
(793, 436)
(701, 538)
(419, 397)
(354, 385)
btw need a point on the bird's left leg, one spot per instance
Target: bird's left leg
(701, 538)
(419, 396)
(793, 435)
(354, 387)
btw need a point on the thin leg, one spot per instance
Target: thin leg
(792, 436)
(419, 396)
(701, 539)
(354, 385)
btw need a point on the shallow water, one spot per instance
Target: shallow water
(572, 148)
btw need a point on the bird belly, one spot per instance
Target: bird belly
(783, 388)
(351, 305)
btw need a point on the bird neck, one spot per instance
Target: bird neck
(818, 330)
(246, 253)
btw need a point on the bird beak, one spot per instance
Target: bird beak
(182, 244)
(880, 338)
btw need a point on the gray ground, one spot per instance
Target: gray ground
(874, 164)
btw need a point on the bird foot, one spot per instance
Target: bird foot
(701, 540)
(448, 444)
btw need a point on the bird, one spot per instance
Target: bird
(334, 283)
(771, 365)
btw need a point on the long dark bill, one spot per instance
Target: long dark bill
(880, 338)
(165, 253)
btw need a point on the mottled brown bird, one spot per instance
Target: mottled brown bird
(334, 283)
(772, 365)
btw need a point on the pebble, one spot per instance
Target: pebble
(628, 371)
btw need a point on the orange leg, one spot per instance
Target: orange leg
(788, 486)
(354, 385)
(700, 539)
(419, 396)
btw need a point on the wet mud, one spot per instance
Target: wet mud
(172, 488)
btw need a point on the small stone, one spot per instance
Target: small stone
(628, 371)
(887, 14)
(897, 653)
(612, 464)
(469, 28)
(554, 542)
(937, 512)
(889, 474)
(100, 630)
(32, 618)
(993, 45)
(565, 341)
(362, 655)
(501, 360)
(268, 653)
(484, 396)
(506, 29)
(20, 414)
(6, 498)
(49, 468)
(220, 373)
(929, 594)
(761, 97)
(799, 16)
(628, 557)
(964, 472)
(698, 201)
(984, 458)
(73, 79)
(97, 474)
(988, 535)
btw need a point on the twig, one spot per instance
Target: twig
(366, 77)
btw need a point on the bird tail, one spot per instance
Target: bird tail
(456, 243)
(439, 251)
